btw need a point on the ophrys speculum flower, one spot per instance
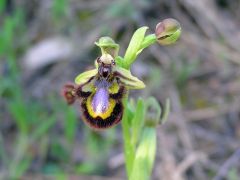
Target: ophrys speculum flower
(103, 95)
(101, 91)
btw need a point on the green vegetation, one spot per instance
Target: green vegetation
(34, 120)
(140, 120)
(41, 136)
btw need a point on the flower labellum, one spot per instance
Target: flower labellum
(100, 101)
(101, 91)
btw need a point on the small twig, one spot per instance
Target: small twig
(208, 113)
(215, 137)
(168, 165)
(211, 113)
(183, 128)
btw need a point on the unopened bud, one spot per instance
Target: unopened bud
(168, 31)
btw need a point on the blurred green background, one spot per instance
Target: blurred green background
(44, 44)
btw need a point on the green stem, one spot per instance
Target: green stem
(128, 148)
(148, 40)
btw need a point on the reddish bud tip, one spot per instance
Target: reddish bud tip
(68, 92)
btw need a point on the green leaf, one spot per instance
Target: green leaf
(130, 108)
(59, 8)
(7, 35)
(2, 5)
(153, 112)
(19, 112)
(22, 167)
(137, 121)
(51, 168)
(165, 112)
(232, 173)
(145, 155)
(134, 46)
(85, 76)
(70, 124)
(87, 168)
(43, 127)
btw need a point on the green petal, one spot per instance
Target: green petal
(128, 79)
(85, 76)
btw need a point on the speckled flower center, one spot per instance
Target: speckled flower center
(100, 100)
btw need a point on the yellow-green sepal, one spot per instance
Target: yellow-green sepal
(134, 47)
(128, 79)
(85, 76)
